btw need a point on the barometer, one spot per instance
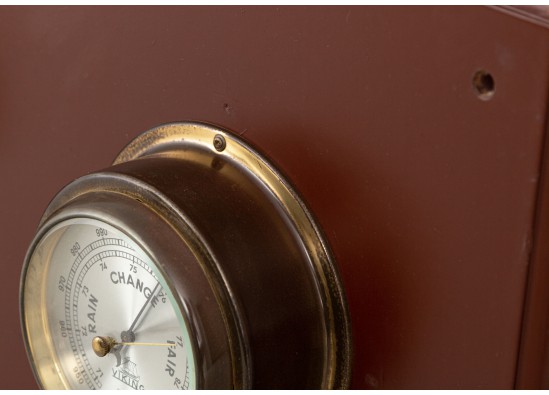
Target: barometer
(190, 263)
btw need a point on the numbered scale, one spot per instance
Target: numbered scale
(112, 290)
(189, 264)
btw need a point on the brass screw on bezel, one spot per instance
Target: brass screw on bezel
(219, 142)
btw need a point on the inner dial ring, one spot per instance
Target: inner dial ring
(113, 289)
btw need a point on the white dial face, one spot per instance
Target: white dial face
(101, 287)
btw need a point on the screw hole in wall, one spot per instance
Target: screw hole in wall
(484, 85)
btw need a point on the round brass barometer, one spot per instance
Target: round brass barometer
(190, 263)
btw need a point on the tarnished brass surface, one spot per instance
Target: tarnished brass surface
(34, 321)
(174, 139)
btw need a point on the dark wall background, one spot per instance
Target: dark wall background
(428, 195)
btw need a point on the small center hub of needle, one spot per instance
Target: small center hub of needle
(127, 336)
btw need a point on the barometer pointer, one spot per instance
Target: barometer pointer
(104, 345)
(129, 336)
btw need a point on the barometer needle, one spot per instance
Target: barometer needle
(143, 308)
(102, 345)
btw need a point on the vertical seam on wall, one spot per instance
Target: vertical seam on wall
(534, 231)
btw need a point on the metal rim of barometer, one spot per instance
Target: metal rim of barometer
(223, 142)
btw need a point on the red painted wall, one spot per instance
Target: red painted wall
(428, 195)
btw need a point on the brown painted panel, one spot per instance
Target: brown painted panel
(426, 193)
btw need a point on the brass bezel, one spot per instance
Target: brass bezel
(169, 137)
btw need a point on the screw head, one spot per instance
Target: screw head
(102, 345)
(219, 142)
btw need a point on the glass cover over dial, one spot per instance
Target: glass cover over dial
(113, 320)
